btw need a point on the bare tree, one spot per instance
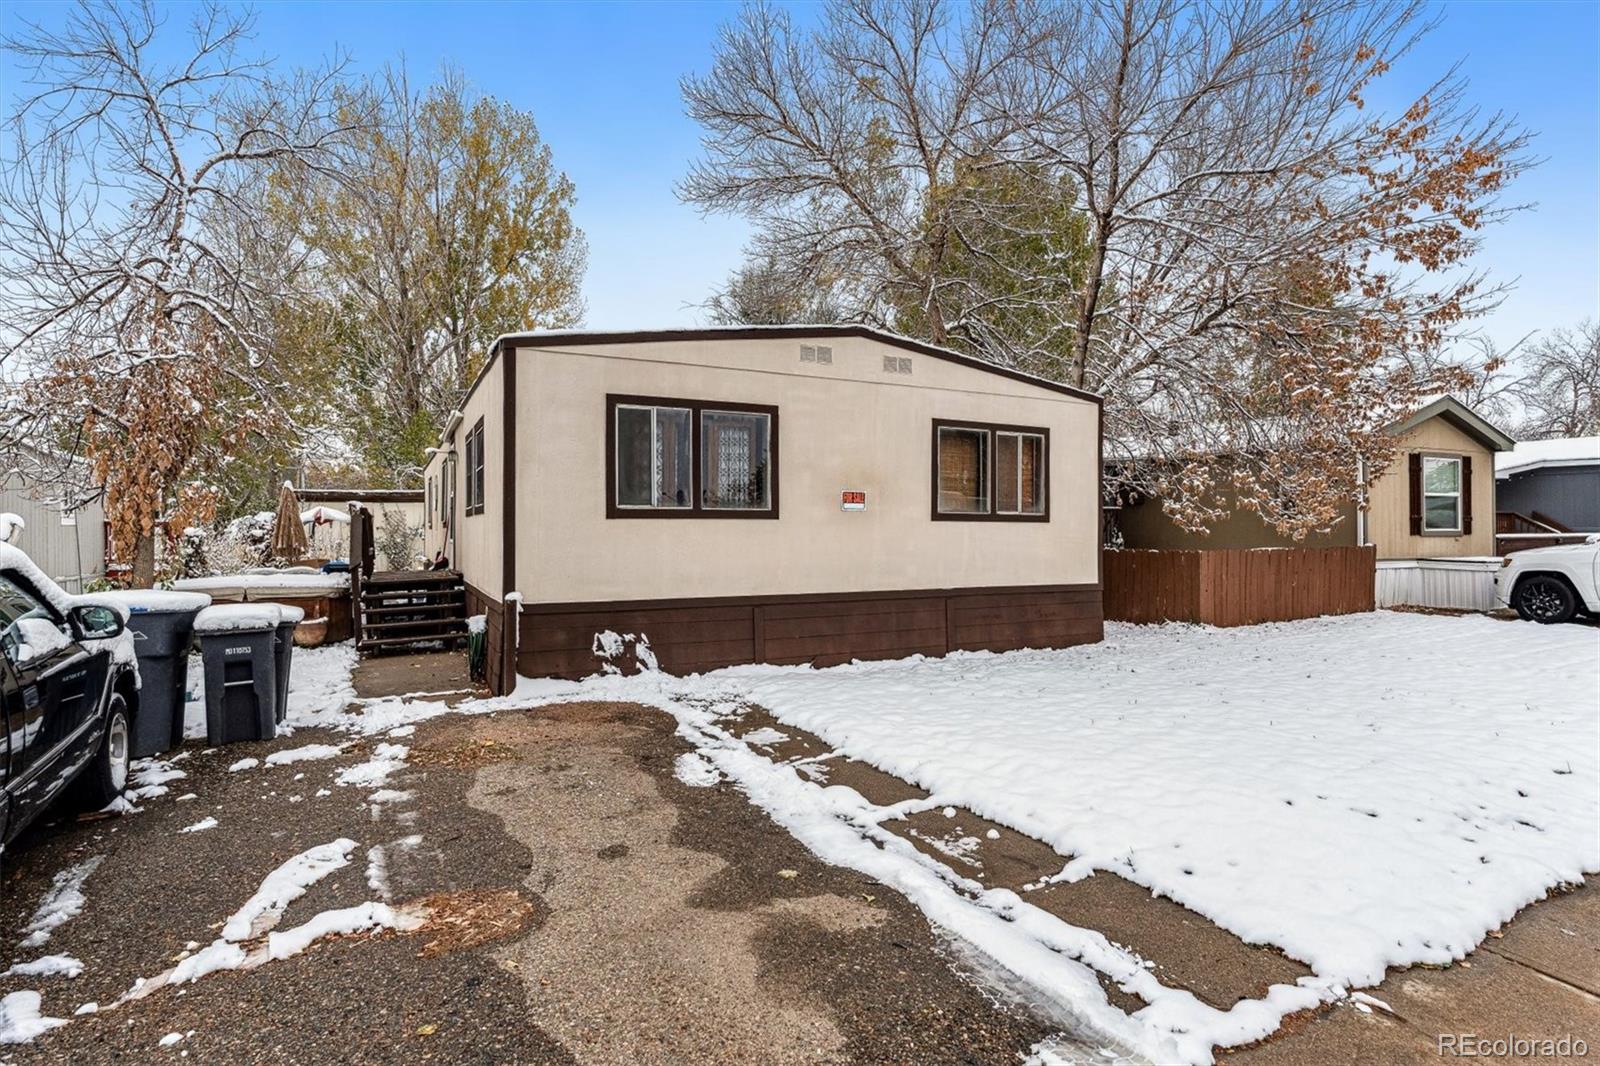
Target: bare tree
(134, 276)
(843, 145)
(1261, 257)
(1560, 386)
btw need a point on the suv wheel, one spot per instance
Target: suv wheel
(1545, 599)
(108, 776)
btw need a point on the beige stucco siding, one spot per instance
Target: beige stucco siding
(478, 542)
(1389, 514)
(848, 426)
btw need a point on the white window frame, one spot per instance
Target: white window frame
(1456, 495)
(655, 458)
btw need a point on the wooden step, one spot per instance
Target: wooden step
(450, 608)
(452, 625)
(395, 642)
(398, 594)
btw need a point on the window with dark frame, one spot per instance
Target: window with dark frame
(474, 471)
(994, 472)
(670, 458)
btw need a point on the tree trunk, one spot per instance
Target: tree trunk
(144, 561)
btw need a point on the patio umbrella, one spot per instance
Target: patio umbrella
(288, 535)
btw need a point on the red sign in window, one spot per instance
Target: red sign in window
(852, 501)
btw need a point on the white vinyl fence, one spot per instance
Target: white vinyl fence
(1465, 583)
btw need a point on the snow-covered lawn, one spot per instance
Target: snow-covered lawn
(1363, 792)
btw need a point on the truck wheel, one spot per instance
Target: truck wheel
(107, 776)
(1545, 599)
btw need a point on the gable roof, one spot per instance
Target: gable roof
(1539, 454)
(1463, 418)
(544, 338)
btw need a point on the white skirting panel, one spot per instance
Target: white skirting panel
(1465, 584)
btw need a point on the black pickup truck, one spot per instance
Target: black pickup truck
(69, 692)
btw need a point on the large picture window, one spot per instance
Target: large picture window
(690, 458)
(983, 471)
(1441, 494)
(474, 469)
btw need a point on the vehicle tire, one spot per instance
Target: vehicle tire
(1545, 599)
(107, 776)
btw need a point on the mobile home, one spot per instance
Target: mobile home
(780, 494)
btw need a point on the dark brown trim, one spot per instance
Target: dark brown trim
(696, 408)
(735, 333)
(991, 515)
(1100, 496)
(791, 598)
(337, 495)
(695, 635)
(477, 432)
(508, 478)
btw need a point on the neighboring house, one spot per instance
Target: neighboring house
(805, 494)
(332, 539)
(1436, 500)
(68, 545)
(1548, 487)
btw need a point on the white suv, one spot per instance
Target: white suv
(1551, 584)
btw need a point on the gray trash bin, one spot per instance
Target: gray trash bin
(238, 645)
(162, 624)
(291, 617)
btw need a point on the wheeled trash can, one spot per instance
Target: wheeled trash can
(238, 646)
(162, 625)
(289, 617)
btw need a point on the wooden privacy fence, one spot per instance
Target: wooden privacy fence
(1237, 586)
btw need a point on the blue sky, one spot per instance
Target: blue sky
(602, 81)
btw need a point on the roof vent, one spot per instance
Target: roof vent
(808, 353)
(891, 365)
(824, 354)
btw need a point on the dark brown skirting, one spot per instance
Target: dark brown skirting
(695, 635)
(493, 611)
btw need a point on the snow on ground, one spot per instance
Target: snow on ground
(1367, 791)
(1364, 792)
(304, 753)
(386, 759)
(20, 1021)
(62, 903)
(46, 966)
(285, 885)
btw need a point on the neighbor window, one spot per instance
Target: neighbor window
(1441, 494)
(474, 470)
(986, 471)
(685, 458)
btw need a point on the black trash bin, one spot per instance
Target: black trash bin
(238, 645)
(162, 624)
(289, 618)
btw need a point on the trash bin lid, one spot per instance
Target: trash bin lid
(226, 617)
(290, 614)
(150, 601)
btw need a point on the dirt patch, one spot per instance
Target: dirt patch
(796, 742)
(440, 674)
(466, 755)
(1188, 951)
(875, 786)
(460, 920)
(978, 848)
